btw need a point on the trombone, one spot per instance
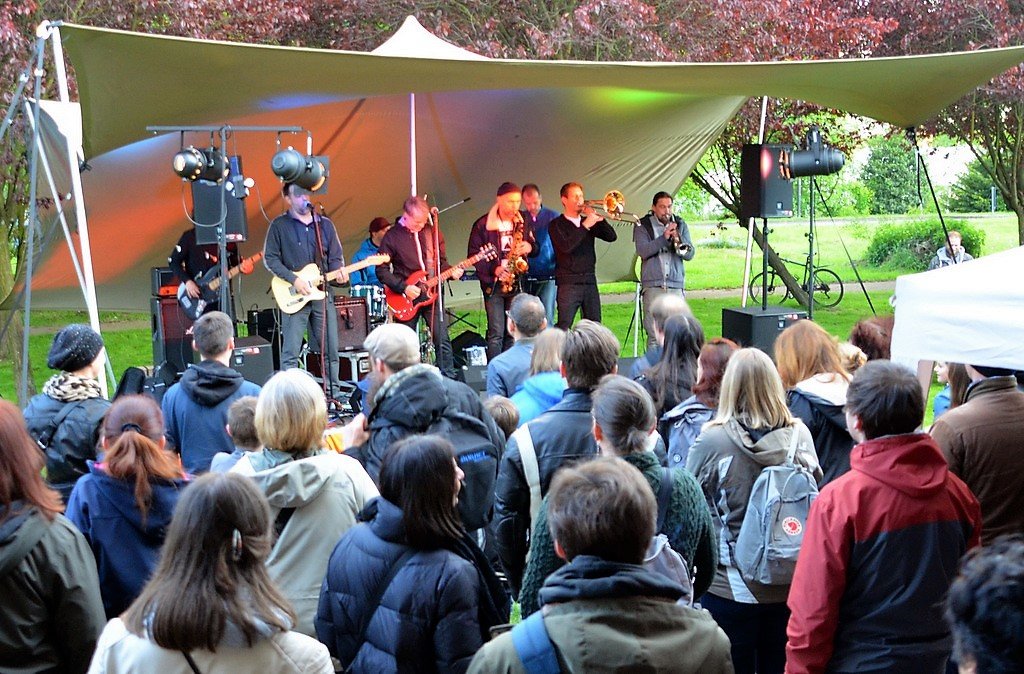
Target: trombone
(612, 207)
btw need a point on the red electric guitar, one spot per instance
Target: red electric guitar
(404, 309)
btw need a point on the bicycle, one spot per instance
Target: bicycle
(828, 287)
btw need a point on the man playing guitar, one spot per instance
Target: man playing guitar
(296, 238)
(410, 244)
(191, 262)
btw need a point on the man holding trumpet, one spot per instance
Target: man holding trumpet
(663, 243)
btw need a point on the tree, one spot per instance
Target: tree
(890, 173)
(972, 191)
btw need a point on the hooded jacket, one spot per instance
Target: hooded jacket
(432, 617)
(611, 617)
(819, 404)
(684, 423)
(196, 411)
(52, 612)
(538, 394)
(726, 460)
(126, 546)
(119, 651)
(882, 546)
(326, 491)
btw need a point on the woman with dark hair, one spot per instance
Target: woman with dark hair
(50, 608)
(407, 590)
(873, 336)
(124, 504)
(685, 420)
(623, 421)
(670, 381)
(211, 605)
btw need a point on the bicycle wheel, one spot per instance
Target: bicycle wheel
(777, 291)
(828, 288)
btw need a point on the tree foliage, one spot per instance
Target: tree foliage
(891, 175)
(972, 191)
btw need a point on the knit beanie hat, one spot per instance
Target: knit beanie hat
(505, 188)
(74, 347)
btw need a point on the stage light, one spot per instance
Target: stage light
(308, 172)
(192, 163)
(817, 160)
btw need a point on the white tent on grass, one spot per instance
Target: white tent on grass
(969, 313)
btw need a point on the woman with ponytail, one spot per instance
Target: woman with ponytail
(123, 504)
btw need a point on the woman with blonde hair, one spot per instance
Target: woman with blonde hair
(812, 371)
(752, 429)
(545, 385)
(314, 493)
(124, 504)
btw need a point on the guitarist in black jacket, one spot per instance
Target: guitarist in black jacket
(190, 262)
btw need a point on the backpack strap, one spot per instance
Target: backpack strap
(791, 454)
(531, 469)
(47, 435)
(664, 495)
(378, 594)
(534, 646)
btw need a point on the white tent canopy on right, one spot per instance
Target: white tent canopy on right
(972, 313)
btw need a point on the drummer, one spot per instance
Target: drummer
(371, 246)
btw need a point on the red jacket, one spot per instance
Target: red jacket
(883, 543)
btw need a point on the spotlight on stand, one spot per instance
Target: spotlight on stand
(192, 163)
(308, 172)
(817, 160)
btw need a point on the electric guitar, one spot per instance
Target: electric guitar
(209, 284)
(404, 309)
(290, 301)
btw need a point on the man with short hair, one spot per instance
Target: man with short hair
(662, 308)
(882, 542)
(558, 437)
(603, 611)
(509, 369)
(540, 278)
(983, 441)
(663, 243)
(951, 253)
(196, 408)
(572, 235)
(499, 281)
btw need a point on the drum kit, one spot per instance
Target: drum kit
(376, 307)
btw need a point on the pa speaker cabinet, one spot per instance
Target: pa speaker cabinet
(753, 326)
(353, 322)
(163, 282)
(172, 334)
(213, 204)
(266, 323)
(476, 377)
(252, 357)
(764, 193)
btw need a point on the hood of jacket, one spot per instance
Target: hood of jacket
(912, 463)
(297, 483)
(210, 382)
(689, 410)
(830, 409)
(121, 495)
(545, 387)
(385, 520)
(829, 387)
(413, 401)
(12, 530)
(588, 577)
(770, 449)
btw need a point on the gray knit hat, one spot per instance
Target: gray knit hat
(74, 347)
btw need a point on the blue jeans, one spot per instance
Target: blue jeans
(757, 633)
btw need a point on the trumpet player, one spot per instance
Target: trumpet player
(573, 234)
(663, 243)
(501, 279)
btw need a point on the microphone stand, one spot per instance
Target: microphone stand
(325, 369)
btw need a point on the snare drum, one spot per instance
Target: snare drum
(375, 302)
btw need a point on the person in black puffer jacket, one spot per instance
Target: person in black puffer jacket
(64, 419)
(408, 590)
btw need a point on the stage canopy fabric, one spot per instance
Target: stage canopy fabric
(968, 313)
(635, 127)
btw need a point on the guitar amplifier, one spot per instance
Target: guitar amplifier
(163, 282)
(353, 366)
(266, 323)
(252, 358)
(353, 322)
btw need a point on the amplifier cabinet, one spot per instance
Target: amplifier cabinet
(252, 358)
(753, 326)
(353, 322)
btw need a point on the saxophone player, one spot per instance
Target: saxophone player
(663, 243)
(500, 280)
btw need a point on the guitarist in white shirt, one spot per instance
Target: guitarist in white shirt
(293, 241)
(410, 244)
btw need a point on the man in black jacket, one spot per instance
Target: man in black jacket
(560, 436)
(572, 235)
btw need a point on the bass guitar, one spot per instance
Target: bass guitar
(209, 285)
(290, 301)
(404, 309)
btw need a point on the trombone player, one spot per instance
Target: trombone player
(663, 243)
(572, 235)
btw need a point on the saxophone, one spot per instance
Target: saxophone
(515, 263)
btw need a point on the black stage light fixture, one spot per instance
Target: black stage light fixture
(192, 163)
(817, 160)
(308, 172)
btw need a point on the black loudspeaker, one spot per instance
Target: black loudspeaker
(353, 322)
(764, 193)
(464, 341)
(266, 323)
(752, 326)
(163, 282)
(252, 357)
(476, 377)
(172, 334)
(212, 204)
